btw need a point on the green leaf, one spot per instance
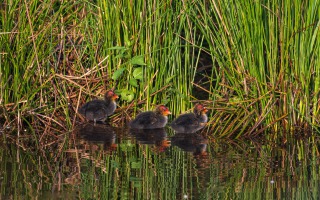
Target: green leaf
(133, 82)
(136, 165)
(119, 56)
(128, 43)
(138, 73)
(127, 95)
(133, 178)
(126, 147)
(116, 48)
(168, 80)
(114, 164)
(137, 60)
(117, 73)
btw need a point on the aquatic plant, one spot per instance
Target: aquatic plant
(256, 62)
(265, 57)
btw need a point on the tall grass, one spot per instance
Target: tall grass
(266, 59)
(154, 39)
(55, 55)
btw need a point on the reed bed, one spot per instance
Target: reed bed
(256, 62)
(266, 63)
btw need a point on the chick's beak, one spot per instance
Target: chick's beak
(167, 112)
(115, 96)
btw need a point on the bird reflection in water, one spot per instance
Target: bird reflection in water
(193, 142)
(93, 142)
(157, 137)
(95, 135)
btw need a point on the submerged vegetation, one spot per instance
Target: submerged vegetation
(255, 64)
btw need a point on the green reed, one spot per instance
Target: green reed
(265, 59)
(61, 52)
(153, 39)
(264, 55)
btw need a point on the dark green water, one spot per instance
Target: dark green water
(100, 162)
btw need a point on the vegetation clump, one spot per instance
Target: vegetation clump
(254, 64)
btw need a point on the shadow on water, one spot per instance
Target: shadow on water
(95, 135)
(103, 162)
(191, 142)
(90, 144)
(156, 137)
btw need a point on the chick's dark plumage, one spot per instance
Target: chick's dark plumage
(99, 110)
(151, 119)
(191, 122)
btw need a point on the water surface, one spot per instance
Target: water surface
(102, 162)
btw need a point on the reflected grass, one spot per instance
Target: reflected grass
(231, 168)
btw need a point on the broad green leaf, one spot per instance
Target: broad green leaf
(137, 60)
(133, 82)
(128, 43)
(126, 147)
(138, 73)
(127, 95)
(117, 73)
